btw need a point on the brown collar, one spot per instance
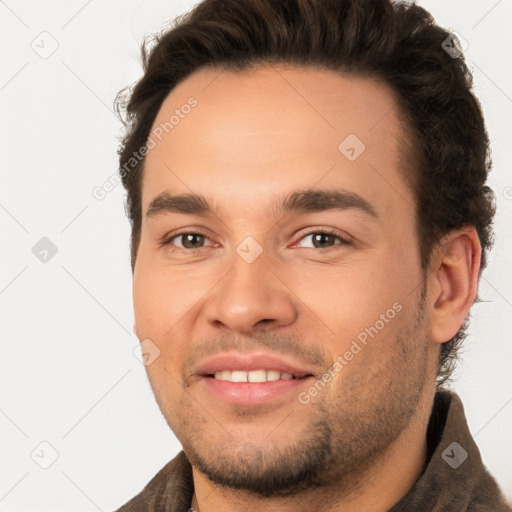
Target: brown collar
(454, 477)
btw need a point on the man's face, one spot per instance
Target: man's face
(296, 281)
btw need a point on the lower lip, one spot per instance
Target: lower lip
(253, 393)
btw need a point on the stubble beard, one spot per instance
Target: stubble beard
(340, 440)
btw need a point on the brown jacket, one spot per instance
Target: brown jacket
(454, 478)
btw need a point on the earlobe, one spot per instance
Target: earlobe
(453, 282)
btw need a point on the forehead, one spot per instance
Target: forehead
(257, 134)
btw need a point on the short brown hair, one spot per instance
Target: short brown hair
(398, 43)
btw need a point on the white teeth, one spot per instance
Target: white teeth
(273, 375)
(224, 375)
(257, 376)
(252, 376)
(238, 376)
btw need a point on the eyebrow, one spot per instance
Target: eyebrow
(298, 201)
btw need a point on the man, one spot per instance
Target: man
(306, 186)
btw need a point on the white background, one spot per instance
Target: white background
(68, 373)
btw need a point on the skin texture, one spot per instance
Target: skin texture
(253, 138)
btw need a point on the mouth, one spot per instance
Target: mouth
(226, 389)
(252, 379)
(255, 376)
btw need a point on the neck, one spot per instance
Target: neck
(387, 481)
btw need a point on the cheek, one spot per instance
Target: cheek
(162, 297)
(160, 302)
(348, 299)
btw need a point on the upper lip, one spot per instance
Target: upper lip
(247, 362)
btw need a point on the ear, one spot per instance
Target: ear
(453, 282)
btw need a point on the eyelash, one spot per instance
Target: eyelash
(167, 240)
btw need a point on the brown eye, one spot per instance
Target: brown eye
(191, 240)
(322, 240)
(188, 241)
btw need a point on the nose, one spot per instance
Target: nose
(251, 296)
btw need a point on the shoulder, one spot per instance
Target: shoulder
(170, 490)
